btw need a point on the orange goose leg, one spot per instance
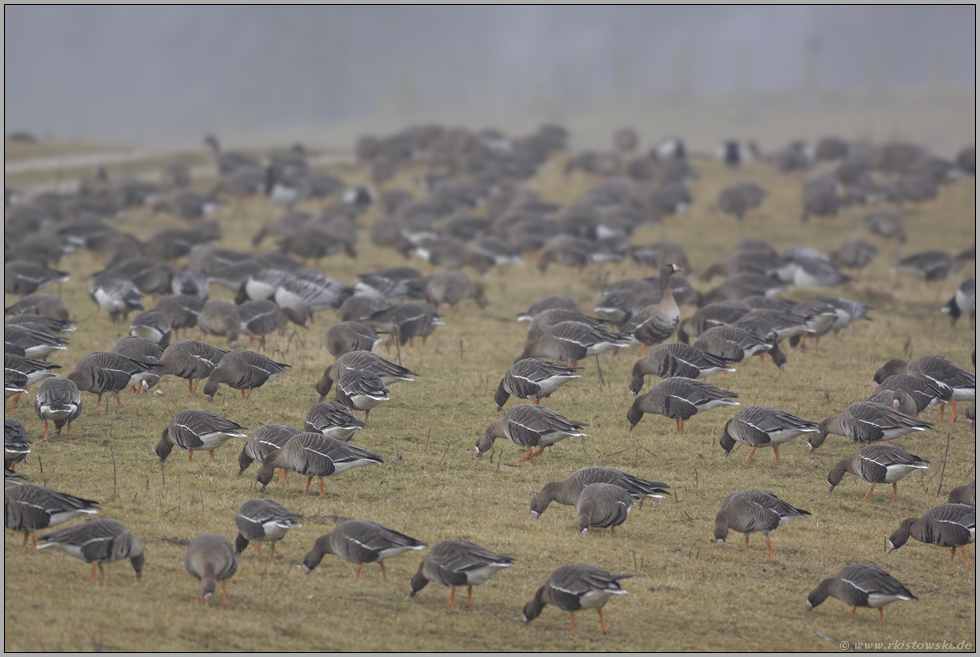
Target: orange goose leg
(881, 613)
(613, 531)
(272, 553)
(952, 420)
(258, 548)
(46, 437)
(307, 489)
(942, 410)
(68, 433)
(190, 457)
(23, 546)
(572, 615)
(102, 572)
(92, 578)
(602, 622)
(358, 573)
(853, 609)
(452, 596)
(762, 357)
(748, 459)
(643, 349)
(966, 560)
(323, 493)
(190, 386)
(772, 552)
(776, 450)
(869, 492)
(469, 592)
(895, 490)
(13, 402)
(746, 545)
(243, 394)
(384, 575)
(952, 554)
(535, 402)
(118, 401)
(680, 425)
(98, 399)
(366, 413)
(224, 592)
(212, 457)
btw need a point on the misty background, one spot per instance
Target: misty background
(168, 75)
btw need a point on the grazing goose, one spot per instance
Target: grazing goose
(361, 390)
(866, 422)
(16, 445)
(350, 336)
(930, 265)
(568, 490)
(105, 372)
(534, 379)
(657, 322)
(679, 398)
(965, 494)
(407, 321)
(731, 343)
(244, 371)
(887, 224)
(44, 305)
(947, 525)
(936, 370)
(117, 296)
(549, 318)
(363, 361)
(713, 315)
(60, 401)
(56, 326)
(197, 430)
(964, 302)
(455, 563)
(570, 342)
(926, 393)
(190, 359)
(358, 308)
(848, 312)
(560, 301)
(738, 199)
(180, 310)
(750, 511)
(259, 318)
(262, 443)
(878, 464)
(315, 455)
(152, 325)
(28, 508)
(742, 285)
(35, 340)
(573, 588)
(671, 359)
(211, 559)
(22, 278)
(861, 585)
(898, 399)
(529, 426)
(98, 542)
(220, 318)
(143, 351)
(602, 505)
(390, 283)
(855, 253)
(31, 370)
(762, 426)
(361, 542)
(448, 288)
(333, 420)
(263, 521)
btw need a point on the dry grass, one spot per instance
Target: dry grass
(684, 594)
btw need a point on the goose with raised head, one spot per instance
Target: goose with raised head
(656, 323)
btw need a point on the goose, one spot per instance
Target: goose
(947, 525)
(819, 316)
(448, 288)
(16, 445)
(965, 494)
(180, 310)
(861, 585)
(406, 321)
(930, 265)
(56, 326)
(190, 359)
(361, 541)
(572, 341)
(573, 588)
(866, 422)
(363, 361)
(32, 370)
(657, 322)
(220, 318)
(848, 312)
(534, 379)
(887, 224)
(45, 305)
(925, 392)
(28, 508)
(310, 291)
(602, 505)
(562, 301)
(529, 426)
(259, 318)
(105, 372)
(36, 340)
(679, 398)
(568, 490)
(361, 390)
(358, 308)
(228, 161)
(744, 284)
(60, 401)
(549, 318)
(263, 442)
(898, 399)
(243, 370)
(333, 420)
(670, 359)
(937, 370)
(350, 336)
(211, 559)
(738, 199)
(195, 430)
(731, 343)
(762, 426)
(98, 542)
(116, 295)
(749, 511)
(390, 283)
(855, 253)
(964, 302)
(263, 521)
(314, 455)
(713, 315)
(22, 278)
(877, 464)
(455, 563)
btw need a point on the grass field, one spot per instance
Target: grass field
(684, 594)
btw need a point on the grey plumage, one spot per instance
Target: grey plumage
(361, 542)
(861, 585)
(263, 521)
(456, 563)
(98, 542)
(211, 559)
(28, 508)
(568, 490)
(749, 511)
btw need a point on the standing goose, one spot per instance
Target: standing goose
(861, 585)
(965, 494)
(573, 588)
(570, 342)
(947, 525)
(211, 558)
(866, 422)
(263, 442)
(16, 445)
(28, 508)
(964, 302)
(361, 390)
(23, 278)
(97, 542)
(750, 511)
(197, 430)
(180, 310)
(263, 521)
(259, 318)
(529, 426)
(458, 563)
(924, 392)
(105, 372)
(190, 359)
(547, 319)
(534, 379)
(898, 399)
(152, 325)
(448, 288)
(562, 301)
(679, 398)
(671, 359)
(567, 491)
(878, 464)
(654, 324)
(118, 296)
(364, 361)
(762, 426)
(315, 455)
(333, 420)
(243, 370)
(361, 542)
(220, 318)
(938, 371)
(350, 336)
(406, 321)
(37, 341)
(32, 370)
(713, 315)
(731, 343)
(58, 400)
(602, 505)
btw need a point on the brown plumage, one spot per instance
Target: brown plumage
(243, 370)
(861, 585)
(211, 559)
(656, 323)
(220, 318)
(679, 398)
(947, 525)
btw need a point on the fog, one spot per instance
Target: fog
(143, 75)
